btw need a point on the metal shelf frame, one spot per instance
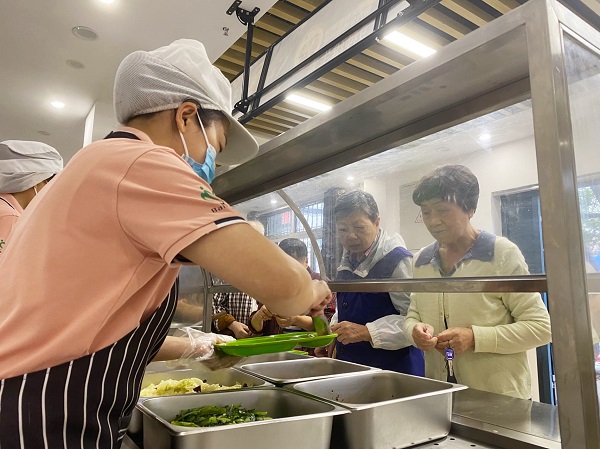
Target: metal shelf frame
(517, 56)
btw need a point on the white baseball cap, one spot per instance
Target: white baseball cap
(164, 78)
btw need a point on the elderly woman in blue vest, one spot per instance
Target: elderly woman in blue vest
(369, 324)
(487, 334)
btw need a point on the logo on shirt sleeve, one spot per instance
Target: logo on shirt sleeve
(209, 196)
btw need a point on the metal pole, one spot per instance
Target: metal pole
(247, 61)
(311, 235)
(207, 310)
(567, 295)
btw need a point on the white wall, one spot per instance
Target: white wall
(501, 169)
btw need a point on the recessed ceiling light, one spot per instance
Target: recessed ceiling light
(57, 104)
(408, 43)
(308, 102)
(273, 201)
(74, 64)
(44, 133)
(85, 33)
(350, 178)
(485, 137)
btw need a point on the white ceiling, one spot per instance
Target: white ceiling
(37, 41)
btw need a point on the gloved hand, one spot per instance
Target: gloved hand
(201, 344)
(201, 348)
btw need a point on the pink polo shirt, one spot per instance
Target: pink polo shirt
(94, 255)
(10, 211)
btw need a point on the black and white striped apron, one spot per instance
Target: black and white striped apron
(86, 403)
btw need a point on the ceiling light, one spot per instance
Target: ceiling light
(485, 137)
(107, 1)
(408, 43)
(74, 64)
(308, 102)
(85, 33)
(350, 178)
(273, 201)
(57, 104)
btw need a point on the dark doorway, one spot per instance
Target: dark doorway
(522, 225)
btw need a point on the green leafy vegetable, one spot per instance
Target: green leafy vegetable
(211, 416)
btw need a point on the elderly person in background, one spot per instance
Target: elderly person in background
(487, 333)
(369, 324)
(231, 311)
(25, 168)
(265, 323)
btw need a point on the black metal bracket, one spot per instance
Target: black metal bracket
(416, 8)
(243, 15)
(246, 18)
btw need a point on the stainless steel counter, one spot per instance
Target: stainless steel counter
(484, 420)
(505, 421)
(450, 442)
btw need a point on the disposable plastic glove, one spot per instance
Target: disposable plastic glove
(201, 349)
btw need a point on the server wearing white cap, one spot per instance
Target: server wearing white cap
(117, 224)
(25, 168)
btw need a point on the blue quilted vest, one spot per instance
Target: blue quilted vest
(363, 308)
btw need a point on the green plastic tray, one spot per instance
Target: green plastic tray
(274, 343)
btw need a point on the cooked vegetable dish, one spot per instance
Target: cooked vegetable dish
(184, 386)
(211, 416)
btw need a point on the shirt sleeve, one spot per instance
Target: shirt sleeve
(531, 327)
(163, 206)
(412, 319)
(334, 319)
(386, 332)
(219, 303)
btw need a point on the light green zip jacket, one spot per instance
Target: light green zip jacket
(505, 325)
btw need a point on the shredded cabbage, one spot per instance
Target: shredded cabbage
(184, 386)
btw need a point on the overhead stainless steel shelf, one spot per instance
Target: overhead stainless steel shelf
(428, 95)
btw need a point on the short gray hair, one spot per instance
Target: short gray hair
(453, 183)
(356, 201)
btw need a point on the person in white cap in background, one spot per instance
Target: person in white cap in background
(25, 168)
(117, 224)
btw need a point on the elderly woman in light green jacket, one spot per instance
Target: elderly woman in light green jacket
(488, 333)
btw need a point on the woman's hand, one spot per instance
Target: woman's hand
(240, 330)
(285, 321)
(422, 335)
(264, 314)
(458, 338)
(325, 351)
(349, 332)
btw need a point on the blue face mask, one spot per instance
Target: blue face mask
(207, 169)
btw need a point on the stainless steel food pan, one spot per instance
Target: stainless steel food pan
(226, 377)
(389, 410)
(273, 357)
(292, 371)
(299, 422)
(171, 365)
